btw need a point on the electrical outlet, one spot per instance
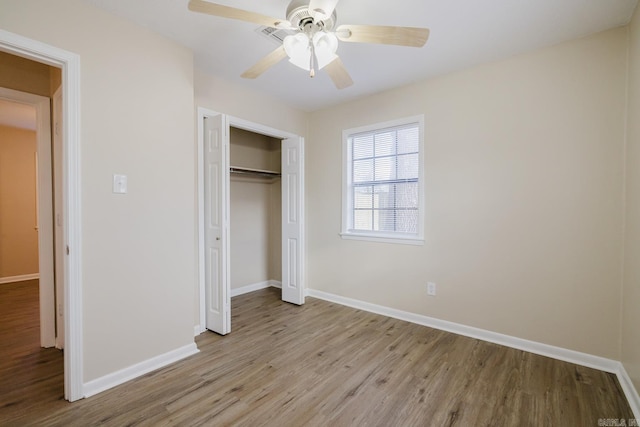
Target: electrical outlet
(431, 289)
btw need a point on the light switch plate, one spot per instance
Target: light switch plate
(431, 289)
(119, 184)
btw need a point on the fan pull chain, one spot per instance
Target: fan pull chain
(313, 60)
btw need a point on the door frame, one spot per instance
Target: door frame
(252, 127)
(69, 63)
(44, 212)
(58, 202)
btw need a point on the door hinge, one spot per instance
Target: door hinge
(67, 249)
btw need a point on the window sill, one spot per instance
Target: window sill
(383, 239)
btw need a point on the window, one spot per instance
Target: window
(382, 182)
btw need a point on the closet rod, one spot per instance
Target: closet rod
(258, 172)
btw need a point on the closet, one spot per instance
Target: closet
(251, 213)
(255, 211)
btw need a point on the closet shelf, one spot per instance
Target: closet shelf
(255, 172)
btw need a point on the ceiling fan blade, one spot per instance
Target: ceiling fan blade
(233, 13)
(401, 36)
(322, 9)
(338, 74)
(265, 63)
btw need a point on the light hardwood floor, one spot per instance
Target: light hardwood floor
(316, 365)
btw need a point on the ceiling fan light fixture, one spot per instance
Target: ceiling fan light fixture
(325, 45)
(314, 45)
(298, 49)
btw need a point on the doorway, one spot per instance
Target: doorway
(69, 63)
(16, 146)
(214, 133)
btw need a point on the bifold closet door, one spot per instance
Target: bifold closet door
(218, 315)
(292, 220)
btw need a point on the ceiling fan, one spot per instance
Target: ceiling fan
(313, 42)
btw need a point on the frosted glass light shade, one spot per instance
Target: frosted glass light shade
(296, 45)
(326, 45)
(299, 51)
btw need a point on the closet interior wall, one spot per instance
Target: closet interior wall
(255, 210)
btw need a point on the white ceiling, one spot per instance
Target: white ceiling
(463, 33)
(17, 115)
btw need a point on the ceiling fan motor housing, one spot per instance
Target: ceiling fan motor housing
(298, 15)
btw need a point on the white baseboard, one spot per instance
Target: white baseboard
(275, 284)
(116, 378)
(197, 330)
(255, 287)
(629, 390)
(571, 356)
(21, 278)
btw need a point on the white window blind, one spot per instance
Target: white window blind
(383, 181)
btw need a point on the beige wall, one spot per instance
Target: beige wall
(28, 76)
(18, 236)
(254, 151)
(225, 97)
(275, 231)
(631, 291)
(524, 199)
(255, 245)
(55, 79)
(138, 259)
(249, 244)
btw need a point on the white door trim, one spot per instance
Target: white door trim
(70, 64)
(240, 124)
(44, 203)
(58, 226)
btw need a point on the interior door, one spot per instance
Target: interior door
(216, 178)
(292, 220)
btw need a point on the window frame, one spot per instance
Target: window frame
(347, 185)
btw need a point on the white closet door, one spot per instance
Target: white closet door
(292, 220)
(218, 315)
